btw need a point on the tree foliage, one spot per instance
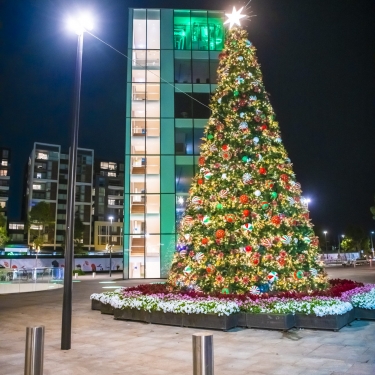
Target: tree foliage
(245, 228)
(41, 217)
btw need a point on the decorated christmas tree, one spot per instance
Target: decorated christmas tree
(246, 228)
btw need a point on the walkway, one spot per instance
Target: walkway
(101, 345)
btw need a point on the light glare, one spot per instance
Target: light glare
(80, 24)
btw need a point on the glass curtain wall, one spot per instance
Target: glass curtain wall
(142, 227)
(164, 127)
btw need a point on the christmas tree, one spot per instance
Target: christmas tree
(246, 228)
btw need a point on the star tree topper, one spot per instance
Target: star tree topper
(234, 17)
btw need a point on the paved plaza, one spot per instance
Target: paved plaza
(101, 345)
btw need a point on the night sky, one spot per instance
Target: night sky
(317, 58)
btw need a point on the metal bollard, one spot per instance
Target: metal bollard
(93, 274)
(203, 354)
(34, 351)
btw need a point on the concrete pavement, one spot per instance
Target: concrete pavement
(101, 345)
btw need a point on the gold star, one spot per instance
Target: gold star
(234, 17)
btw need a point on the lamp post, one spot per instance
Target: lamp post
(110, 247)
(79, 25)
(325, 236)
(372, 244)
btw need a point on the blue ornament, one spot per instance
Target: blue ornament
(264, 288)
(248, 43)
(219, 101)
(278, 140)
(253, 97)
(242, 114)
(239, 58)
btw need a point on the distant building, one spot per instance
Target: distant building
(47, 180)
(5, 160)
(108, 208)
(16, 232)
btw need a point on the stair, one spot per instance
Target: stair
(138, 247)
(138, 209)
(139, 170)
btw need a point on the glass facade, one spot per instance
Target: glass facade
(164, 126)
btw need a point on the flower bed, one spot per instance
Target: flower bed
(155, 304)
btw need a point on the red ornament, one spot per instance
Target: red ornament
(209, 269)
(201, 160)
(219, 127)
(246, 213)
(248, 248)
(220, 233)
(284, 177)
(204, 241)
(264, 127)
(257, 118)
(255, 261)
(283, 253)
(224, 147)
(200, 181)
(276, 220)
(244, 199)
(262, 170)
(230, 218)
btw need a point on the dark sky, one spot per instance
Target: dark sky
(317, 59)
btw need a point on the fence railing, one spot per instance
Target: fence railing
(31, 279)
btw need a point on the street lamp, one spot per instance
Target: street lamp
(110, 247)
(325, 235)
(372, 244)
(79, 25)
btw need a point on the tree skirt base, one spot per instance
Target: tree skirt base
(132, 314)
(365, 314)
(106, 308)
(282, 322)
(328, 322)
(95, 304)
(211, 321)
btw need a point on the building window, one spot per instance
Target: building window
(62, 196)
(3, 204)
(112, 166)
(42, 155)
(3, 172)
(121, 167)
(103, 165)
(111, 202)
(59, 238)
(61, 206)
(16, 226)
(60, 226)
(111, 174)
(38, 175)
(4, 163)
(5, 153)
(37, 187)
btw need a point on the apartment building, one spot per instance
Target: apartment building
(5, 161)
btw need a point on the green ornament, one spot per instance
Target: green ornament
(219, 206)
(236, 93)
(225, 291)
(245, 158)
(274, 195)
(299, 274)
(187, 270)
(210, 136)
(265, 206)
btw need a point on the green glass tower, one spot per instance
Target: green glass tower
(171, 75)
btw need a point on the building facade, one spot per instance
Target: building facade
(46, 180)
(5, 161)
(171, 75)
(108, 211)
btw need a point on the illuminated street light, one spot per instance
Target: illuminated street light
(79, 25)
(325, 235)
